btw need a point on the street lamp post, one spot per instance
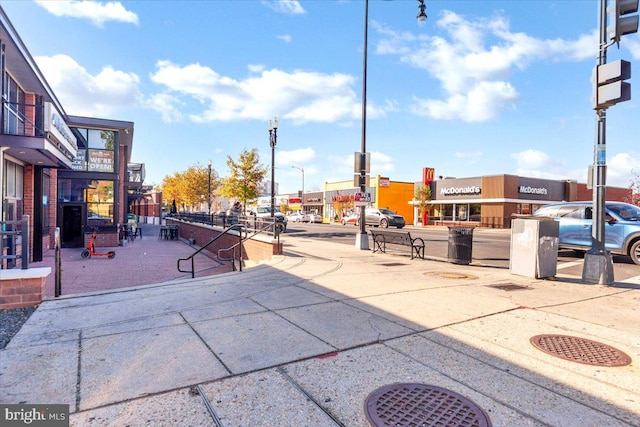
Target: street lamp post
(209, 188)
(301, 194)
(273, 140)
(362, 239)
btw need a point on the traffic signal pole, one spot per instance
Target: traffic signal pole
(598, 263)
(610, 88)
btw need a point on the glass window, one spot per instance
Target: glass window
(71, 190)
(101, 139)
(100, 203)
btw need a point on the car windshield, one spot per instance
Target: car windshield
(625, 211)
(387, 212)
(267, 210)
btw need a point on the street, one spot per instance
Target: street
(491, 246)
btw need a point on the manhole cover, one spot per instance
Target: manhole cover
(392, 264)
(580, 350)
(450, 275)
(509, 287)
(417, 405)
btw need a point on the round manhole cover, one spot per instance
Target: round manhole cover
(450, 275)
(580, 350)
(409, 404)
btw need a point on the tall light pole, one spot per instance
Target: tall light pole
(209, 188)
(362, 239)
(301, 194)
(273, 140)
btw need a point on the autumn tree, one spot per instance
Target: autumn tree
(245, 177)
(635, 188)
(423, 196)
(191, 187)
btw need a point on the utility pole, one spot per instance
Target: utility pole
(609, 89)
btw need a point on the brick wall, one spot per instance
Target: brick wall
(17, 293)
(103, 240)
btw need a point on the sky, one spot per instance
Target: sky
(481, 88)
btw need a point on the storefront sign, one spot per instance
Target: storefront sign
(427, 175)
(56, 126)
(101, 161)
(460, 191)
(525, 189)
(294, 200)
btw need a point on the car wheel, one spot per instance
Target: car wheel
(384, 223)
(634, 252)
(344, 222)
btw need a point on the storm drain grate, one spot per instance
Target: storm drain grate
(450, 275)
(509, 287)
(409, 404)
(580, 350)
(392, 264)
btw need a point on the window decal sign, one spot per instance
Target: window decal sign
(100, 160)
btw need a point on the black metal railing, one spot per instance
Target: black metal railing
(251, 222)
(16, 121)
(14, 244)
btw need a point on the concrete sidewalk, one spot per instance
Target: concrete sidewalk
(303, 340)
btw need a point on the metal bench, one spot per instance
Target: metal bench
(381, 238)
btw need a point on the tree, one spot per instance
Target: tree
(423, 195)
(246, 175)
(635, 188)
(191, 187)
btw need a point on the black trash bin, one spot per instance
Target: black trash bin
(460, 245)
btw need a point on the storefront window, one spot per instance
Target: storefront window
(71, 190)
(100, 203)
(474, 212)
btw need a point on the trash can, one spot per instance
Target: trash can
(534, 247)
(460, 244)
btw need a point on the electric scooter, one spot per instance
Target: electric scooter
(91, 250)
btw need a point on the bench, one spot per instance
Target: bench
(383, 237)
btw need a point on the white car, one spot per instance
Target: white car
(310, 217)
(296, 217)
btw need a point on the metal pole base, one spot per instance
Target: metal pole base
(598, 268)
(362, 241)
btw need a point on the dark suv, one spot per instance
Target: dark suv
(621, 228)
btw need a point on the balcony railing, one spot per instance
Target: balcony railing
(18, 121)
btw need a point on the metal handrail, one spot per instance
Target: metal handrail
(192, 256)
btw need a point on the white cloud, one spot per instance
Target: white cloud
(474, 62)
(538, 164)
(288, 7)
(97, 12)
(299, 157)
(620, 169)
(300, 96)
(285, 38)
(84, 94)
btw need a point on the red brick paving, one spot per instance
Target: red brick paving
(145, 261)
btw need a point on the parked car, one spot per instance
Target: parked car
(295, 217)
(265, 212)
(381, 217)
(621, 228)
(350, 219)
(312, 217)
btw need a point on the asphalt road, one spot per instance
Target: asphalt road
(490, 246)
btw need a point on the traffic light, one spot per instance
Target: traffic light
(611, 85)
(623, 24)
